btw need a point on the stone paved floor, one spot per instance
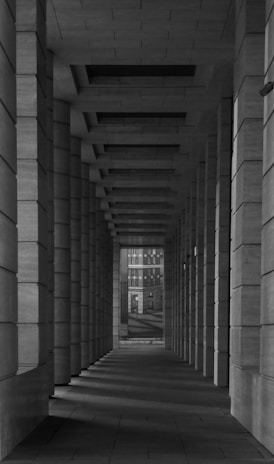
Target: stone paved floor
(149, 324)
(140, 405)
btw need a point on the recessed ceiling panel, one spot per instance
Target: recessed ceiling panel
(139, 71)
(111, 148)
(143, 115)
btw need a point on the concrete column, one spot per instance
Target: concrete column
(192, 270)
(167, 295)
(199, 277)
(124, 293)
(24, 391)
(178, 287)
(103, 239)
(97, 280)
(174, 292)
(178, 276)
(246, 209)
(186, 280)
(101, 233)
(116, 293)
(175, 289)
(62, 255)
(85, 350)
(209, 255)
(8, 195)
(75, 243)
(110, 292)
(181, 318)
(32, 185)
(102, 283)
(92, 263)
(266, 408)
(106, 288)
(50, 208)
(222, 245)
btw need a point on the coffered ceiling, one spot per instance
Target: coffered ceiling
(144, 78)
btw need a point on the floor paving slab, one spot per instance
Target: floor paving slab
(140, 405)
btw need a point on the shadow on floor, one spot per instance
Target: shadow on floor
(147, 325)
(140, 405)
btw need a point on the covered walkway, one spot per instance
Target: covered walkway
(140, 405)
(136, 124)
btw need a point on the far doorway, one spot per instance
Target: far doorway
(142, 274)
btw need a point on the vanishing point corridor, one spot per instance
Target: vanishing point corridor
(139, 405)
(136, 195)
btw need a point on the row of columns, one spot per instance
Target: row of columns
(197, 260)
(83, 259)
(222, 218)
(224, 290)
(56, 254)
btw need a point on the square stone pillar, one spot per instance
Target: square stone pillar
(116, 293)
(97, 280)
(222, 245)
(85, 337)
(266, 393)
(111, 299)
(181, 316)
(50, 209)
(192, 270)
(92, 264)
(199, 277)
(109, 289)
(209, 255)
(178, 287)
(62, 254)
(124, 293)
(172, 293)
(32, 183)
(75, 240)
(103, 282)
(104, 287)
(186, 267)
(174, 334)
(167, 295)
(246, 211)
(8, 199)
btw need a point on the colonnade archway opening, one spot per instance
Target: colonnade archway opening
(141, 279)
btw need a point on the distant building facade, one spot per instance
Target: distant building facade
(145, 279)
